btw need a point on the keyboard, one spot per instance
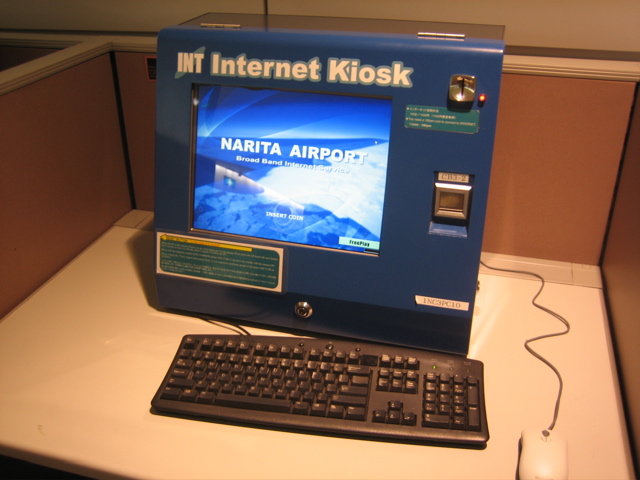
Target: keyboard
(342, 388)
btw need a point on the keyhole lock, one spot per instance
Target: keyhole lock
(303, 309)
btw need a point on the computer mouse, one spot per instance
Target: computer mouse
(543, 455)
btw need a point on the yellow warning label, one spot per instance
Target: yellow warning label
(206, 243)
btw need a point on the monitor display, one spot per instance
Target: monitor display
(298, 167)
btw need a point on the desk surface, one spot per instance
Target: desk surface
(81, 359)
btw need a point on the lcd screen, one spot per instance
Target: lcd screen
(299, 167)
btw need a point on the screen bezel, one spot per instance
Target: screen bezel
(195, 87)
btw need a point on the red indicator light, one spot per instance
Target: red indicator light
(482, 98)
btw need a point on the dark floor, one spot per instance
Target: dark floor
(12, 469)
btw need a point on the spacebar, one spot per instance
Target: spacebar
(252, 403)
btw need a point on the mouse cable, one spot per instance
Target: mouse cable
(541, 337)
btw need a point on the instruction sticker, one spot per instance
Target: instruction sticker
(221, 262)
(442, 119)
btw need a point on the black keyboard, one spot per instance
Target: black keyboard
(336, 387)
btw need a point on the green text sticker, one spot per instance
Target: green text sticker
(441, 118)
(223, 262)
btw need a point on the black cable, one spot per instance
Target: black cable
(541, 337)
(123, 130)
(228, 324)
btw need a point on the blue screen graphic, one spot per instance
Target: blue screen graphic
(297, 167)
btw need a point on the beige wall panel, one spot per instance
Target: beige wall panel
(558, 146)
(113, 15)
(138, 95)
(62, 174)
(605, 25)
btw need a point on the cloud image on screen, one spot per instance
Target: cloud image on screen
(291, 166)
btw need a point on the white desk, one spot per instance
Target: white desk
(81, 359)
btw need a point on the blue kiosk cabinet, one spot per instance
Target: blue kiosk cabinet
(327, 182)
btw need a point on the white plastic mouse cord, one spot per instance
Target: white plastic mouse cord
(541, 337)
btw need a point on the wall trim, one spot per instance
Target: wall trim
(75, 49)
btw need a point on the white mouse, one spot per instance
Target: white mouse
(543, 455)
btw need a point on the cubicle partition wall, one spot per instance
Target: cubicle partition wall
(63, 177)
(621, 274)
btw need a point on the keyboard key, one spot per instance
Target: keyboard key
(336, 411)
(181, 383)
(474, 418)
(444, 409)
(318, 409)
(359, 380)
(353, 358)
(358, 370)
(413, 363)
(396, 385)
(409, 418)
(382, 385)
(285, 351)
(182, 364)
(458, 423)
(394, 417)
(355, 413)
(472, 393)
(180, 373)
(253, 403)
(301, 408)
(353, 390)
(189, 395)
(205, 397)
(202, 385)
(348, 400)
(380, 416)
(437, 421)
(190, 343)
(170, 393)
